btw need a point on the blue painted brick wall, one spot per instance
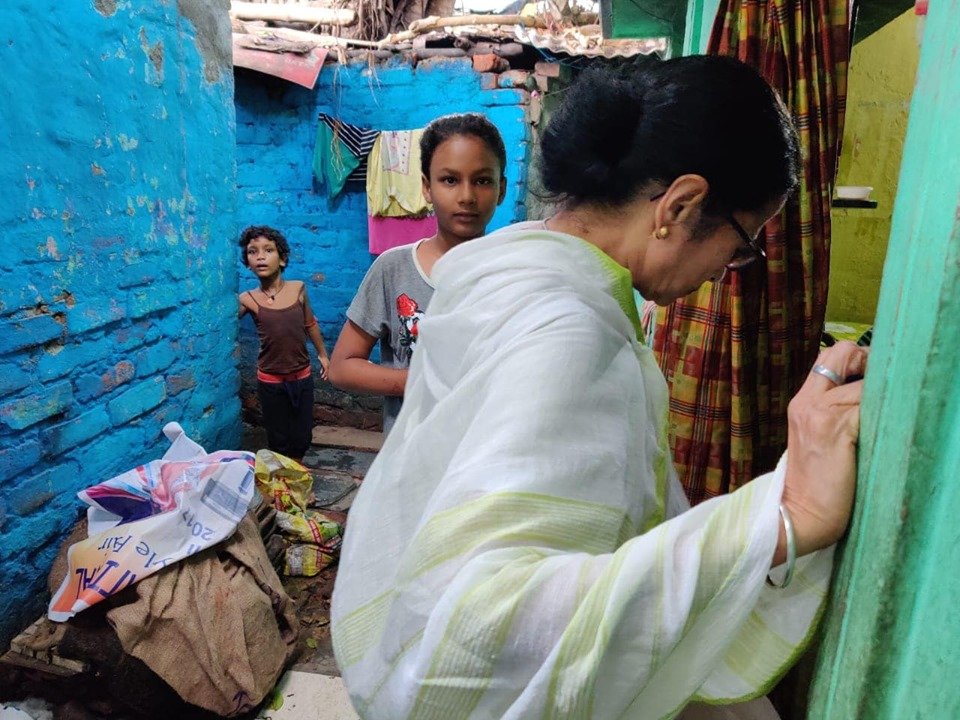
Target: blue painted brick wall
(117, 307)
(276, 129)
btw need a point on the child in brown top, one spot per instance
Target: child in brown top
(282, 314)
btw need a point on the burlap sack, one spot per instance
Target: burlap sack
(217, 627)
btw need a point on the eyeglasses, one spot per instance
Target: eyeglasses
(743, 256)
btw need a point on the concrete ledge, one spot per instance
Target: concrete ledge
(350, 438)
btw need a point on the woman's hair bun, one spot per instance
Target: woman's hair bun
(592, 133)
(619, 129)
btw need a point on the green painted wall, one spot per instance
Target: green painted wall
(882, 74)
(891, 645)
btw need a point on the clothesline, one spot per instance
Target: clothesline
(388, 162)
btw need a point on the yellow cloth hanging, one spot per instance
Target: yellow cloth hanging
(393, 176)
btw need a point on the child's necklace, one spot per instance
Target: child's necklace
(270, 298)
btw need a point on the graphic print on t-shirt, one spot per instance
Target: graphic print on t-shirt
(409, 314)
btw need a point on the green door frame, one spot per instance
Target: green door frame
(699, 22)
(891, 645)
(645, 19)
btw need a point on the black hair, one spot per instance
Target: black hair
(446, 127)
(265, 231)
(620, 129)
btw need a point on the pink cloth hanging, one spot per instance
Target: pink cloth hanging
(391, 232)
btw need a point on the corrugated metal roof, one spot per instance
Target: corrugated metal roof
(576, 41)
(588, 41)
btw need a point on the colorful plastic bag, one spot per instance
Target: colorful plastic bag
(314, 538)
(152, 516)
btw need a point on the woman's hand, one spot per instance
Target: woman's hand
(824, 424)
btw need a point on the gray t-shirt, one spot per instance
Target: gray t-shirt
(389, 304)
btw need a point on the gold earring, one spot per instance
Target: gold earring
(663, 232)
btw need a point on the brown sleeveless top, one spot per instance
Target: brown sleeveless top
(283, 340)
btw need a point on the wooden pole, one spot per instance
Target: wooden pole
(427, 24)
(292, 13)
(308, 37)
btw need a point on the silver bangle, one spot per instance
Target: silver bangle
(791, 550)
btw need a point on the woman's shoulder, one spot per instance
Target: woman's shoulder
(537, 277)
(524, 253)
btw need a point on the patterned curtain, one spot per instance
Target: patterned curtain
(735, 352)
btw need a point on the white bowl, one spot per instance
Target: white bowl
(854, 192)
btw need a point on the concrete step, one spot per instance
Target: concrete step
(310, 696)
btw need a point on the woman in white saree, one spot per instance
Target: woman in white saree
(521, 547)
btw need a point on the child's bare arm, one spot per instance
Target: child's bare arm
(351, 369)
(312, 329)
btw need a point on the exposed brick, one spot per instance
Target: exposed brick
(120, 374)
(136, 401)
(23, 412)
(542, 82)
(444, 63)
(69, 434)
(489, 63)
(28, 332)
(547, 69)
(514, 79)
(18, 457)
(93, 385)
(489, 81)
(176, 384)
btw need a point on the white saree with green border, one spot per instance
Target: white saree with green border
(521, 547)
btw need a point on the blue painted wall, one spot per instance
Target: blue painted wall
(117, 307)
(276, 129)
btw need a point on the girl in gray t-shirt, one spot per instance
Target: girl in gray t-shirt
(463, 161)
